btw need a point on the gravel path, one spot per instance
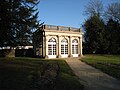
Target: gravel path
(91, 78)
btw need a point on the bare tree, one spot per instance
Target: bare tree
(94, 7)
(113, 11)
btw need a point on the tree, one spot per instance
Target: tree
(113, 11)
(113, 29)
(94, 35)
(94, 7)
(28, 22)
(101, 38)
(17, 19)
(94, 27)
(6, 29)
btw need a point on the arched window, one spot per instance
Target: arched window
(75, 46)
(64, 47)
(52, 46)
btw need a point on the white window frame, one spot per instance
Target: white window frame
(75, 48)
(52, 48)
(64, 48)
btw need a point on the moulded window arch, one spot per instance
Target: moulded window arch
(64, 41)
(52, 46)
(52, 40)
(75, 41)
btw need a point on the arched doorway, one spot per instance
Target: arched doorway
(75, 48)
(52, 48)
(64, 48)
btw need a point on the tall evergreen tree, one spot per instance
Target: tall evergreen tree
(6, 23)
(28, 21)
(113, 29)
(17, 19)
(94, 35)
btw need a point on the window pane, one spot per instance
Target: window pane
(75, 46)
(64, 46)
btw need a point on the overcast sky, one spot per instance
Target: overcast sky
(65, 12)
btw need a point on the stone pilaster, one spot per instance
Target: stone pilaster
(46, 47)
(70, 47)
(59, 47)
(43, 47)
(80, 47)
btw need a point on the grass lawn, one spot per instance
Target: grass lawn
(109, 64)
(15, 74)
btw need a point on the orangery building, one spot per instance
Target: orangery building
(58, 42)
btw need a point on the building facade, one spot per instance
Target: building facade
(58, 42)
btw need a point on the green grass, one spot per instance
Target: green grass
(109, 64)
(15, 73)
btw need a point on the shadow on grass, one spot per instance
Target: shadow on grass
(15, 74)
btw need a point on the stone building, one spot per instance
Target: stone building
(58, 42)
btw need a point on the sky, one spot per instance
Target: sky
(65, 12)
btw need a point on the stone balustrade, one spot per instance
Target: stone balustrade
(61, 28)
